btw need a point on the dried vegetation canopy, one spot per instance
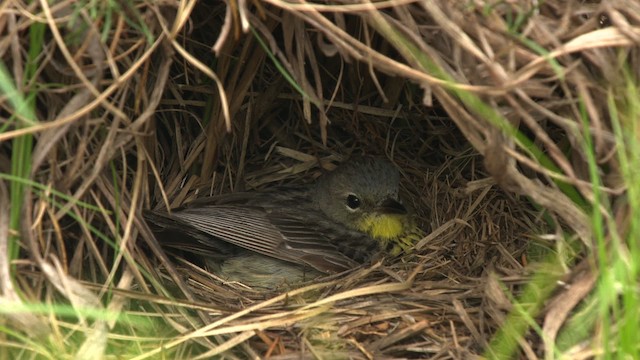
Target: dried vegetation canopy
(150, 105)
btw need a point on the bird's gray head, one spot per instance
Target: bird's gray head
(359, 188)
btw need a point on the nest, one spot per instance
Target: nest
(504, 119)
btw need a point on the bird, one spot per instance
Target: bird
(284, 236)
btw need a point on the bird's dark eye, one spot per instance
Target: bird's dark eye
(353, 202)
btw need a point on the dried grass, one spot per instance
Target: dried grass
(138, 117)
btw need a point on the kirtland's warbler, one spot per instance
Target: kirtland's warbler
(288, 235)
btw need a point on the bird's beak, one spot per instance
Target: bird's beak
(391, 206)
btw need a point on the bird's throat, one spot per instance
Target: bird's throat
(382, 226)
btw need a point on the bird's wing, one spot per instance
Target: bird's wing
(319, 239)
(284, 235)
